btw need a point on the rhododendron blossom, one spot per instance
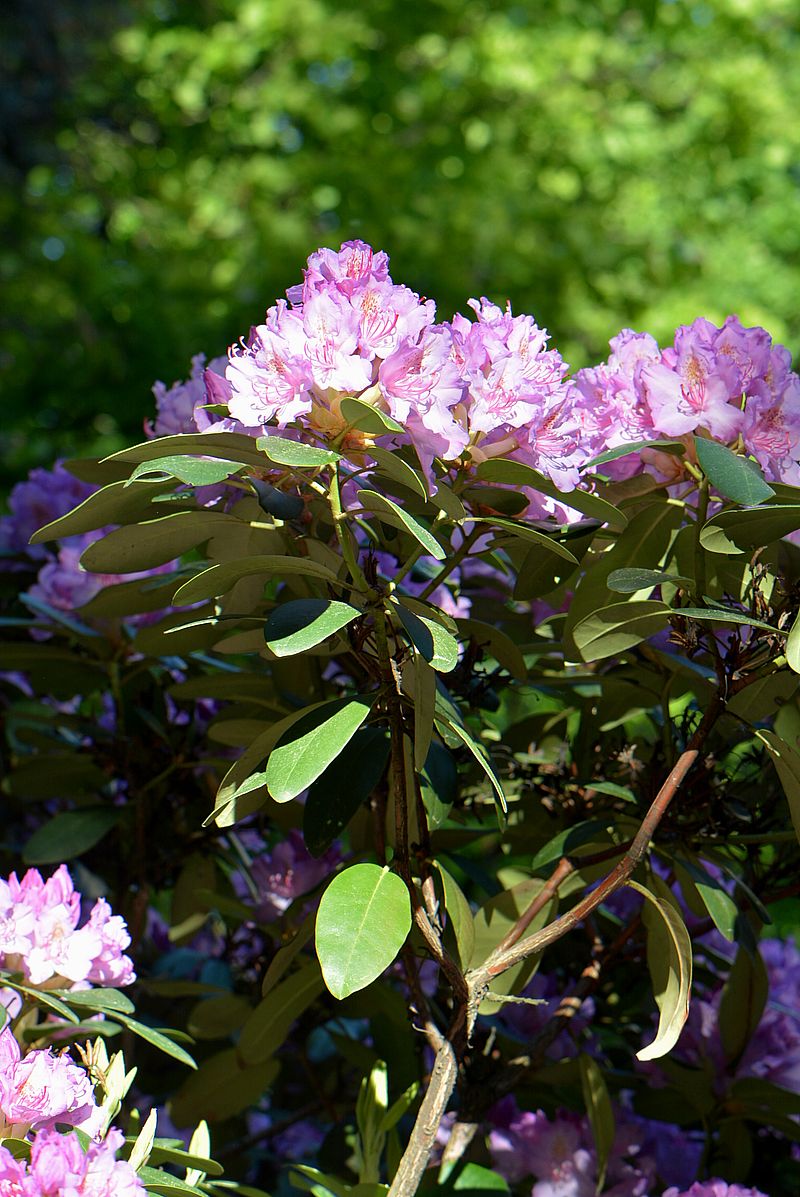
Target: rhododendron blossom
(41, 1089)
(40, 935)
(59, 1167)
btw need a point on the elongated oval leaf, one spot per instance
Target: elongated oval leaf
(303, 623)
(195, 471)
(480, 754)
(392, 466)
(69, 834)
(612, 630)
(517, 474)
(459, 915)
(744, 997)
(430, 639)
(309, 746)
(156, 1037)
(218, 579)
(394, 515)
(738, 531)
(669, 959)
(737, 478)
(676, 448)
(109, 1001)
(115, 504)
(793, 646)
(270, 1022)
(497, 644)
(347, 782)
(787, 764)
(723, 615)
(229, 446)
(362, 923)
(600, 1112)
(367, 418)
(296, 453)
(143, 546)
(628, 581)
(521, 531)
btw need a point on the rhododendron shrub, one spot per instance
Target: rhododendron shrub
(429, 713)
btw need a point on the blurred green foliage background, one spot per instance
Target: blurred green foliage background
(168, 164)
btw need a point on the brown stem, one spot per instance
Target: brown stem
(500, 961)
(545, 895)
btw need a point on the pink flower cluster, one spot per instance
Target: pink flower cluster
(463, 389)
(715, 1188)
(41, 1089)
(730, 382)
(40, 936)
(59, 1167)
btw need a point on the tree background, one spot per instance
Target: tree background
(167, 166)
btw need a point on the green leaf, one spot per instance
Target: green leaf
(113, 504)
(566, 842)
(614, 629)
(303, 623)
(157, 1181)
(424, 690)
(69, 834)
(222, 1087)
(155, 542)
(269, 1024)
(367, 418)
(218, 579)
(740, 530)
(194, 471)
(394, 515)
(284, 956)
(162, 1154)
(237, 447)
(677, 448)
(397, 470)
(628, 581)
(744, 997)
(497, 644)
(156, 1038)
(517, 474)
(431, 640)
(715, 898)
(363, 921)
(793, 646)
(787, 763)
(480, 754)
(459, 915)
(724, 615)
(599, 1111)
(107, 1001)
(737, 478)
(304, 752)
(492, 923)
(296, 453)
(669, 959)
(520, 531)
(473, 1180)
(341, 789)
(40, 997)
(218, 1017)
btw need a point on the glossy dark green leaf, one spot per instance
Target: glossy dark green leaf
(296, 453)
(107, 1001)
(69, 834)
(301, 624)
(614, 629)
(155, 1180)
(717, 901)
(218, 1017)
(516, 529)
(391, 513)
(228, 446)
(363, 920)
(304, 752)
(480, 754)
(392, 466)
(424, 690)
(430, 639)
(740, 530)
(495, 643)
(567, 841)
(218, 579)
(737, 478)
(340, 790)
(719, 615)
(517, 474)
(156, 1037)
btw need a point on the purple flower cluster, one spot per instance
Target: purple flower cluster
(559, 1153)
(59, 1167)
(714, 1188)
(281, 875)
(729, 382)
(40, 936)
